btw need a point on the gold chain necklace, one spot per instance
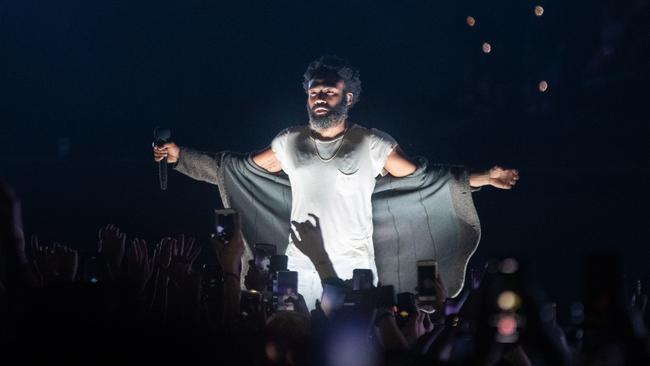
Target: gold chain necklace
(313, 140)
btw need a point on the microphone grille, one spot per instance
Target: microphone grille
(162, 133)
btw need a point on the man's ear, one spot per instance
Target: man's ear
(349, 97)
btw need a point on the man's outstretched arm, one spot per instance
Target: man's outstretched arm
(496, 177)
(267, 160)
(197, 165)
(399, 165)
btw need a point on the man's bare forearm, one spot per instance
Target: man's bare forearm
(267, 160)
(479, 179)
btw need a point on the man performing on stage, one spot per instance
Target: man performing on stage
(333, 167)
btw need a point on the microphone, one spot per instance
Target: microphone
(160, 137)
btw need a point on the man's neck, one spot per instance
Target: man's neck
(330, 133)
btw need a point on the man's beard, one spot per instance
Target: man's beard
(335, 115)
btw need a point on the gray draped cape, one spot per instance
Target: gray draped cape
(428, 214)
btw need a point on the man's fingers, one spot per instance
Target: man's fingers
(293, 236)
(181, 244)
(137, 249)
(145, 250)
(316, 219)
(195, 253)
(297, 225)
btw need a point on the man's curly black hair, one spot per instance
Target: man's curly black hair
(333, 64)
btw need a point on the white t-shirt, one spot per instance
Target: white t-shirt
(333, 180)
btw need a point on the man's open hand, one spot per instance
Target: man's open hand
(54, 263)
(111, 244)
(139, 266)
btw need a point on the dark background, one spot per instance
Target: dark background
(83, 84)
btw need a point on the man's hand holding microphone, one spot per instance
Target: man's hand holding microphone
(168, 150)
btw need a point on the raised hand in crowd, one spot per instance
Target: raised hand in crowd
(229, 252)
(139, 267)
(163, 253)
(111, 244)
(418, 324)
(441, 295)
(311, 245)
(299, 304)
(389, 333)
(54, 263)
(161, 262)
(256, 279)
(15, 268)
(184, 254)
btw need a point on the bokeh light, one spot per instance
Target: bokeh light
(470, 21)
(539, 10)
(487, 48)
(509, 266)
(507, 325)
(542, 86)
(508, 300)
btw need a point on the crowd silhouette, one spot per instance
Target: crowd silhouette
(133, 302)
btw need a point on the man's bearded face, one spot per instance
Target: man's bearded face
(326, 103)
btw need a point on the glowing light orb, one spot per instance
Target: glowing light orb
(470, 21)
(507, 325)
(539, 10)
(508, 300)
(509, 265)
(487, 48)
(542, 86)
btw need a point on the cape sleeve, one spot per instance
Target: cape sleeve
(203, 166)
(427, 215)
(262, 199)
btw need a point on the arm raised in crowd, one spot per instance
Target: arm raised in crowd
(111, 244)
(139, 267)
(229, 253)
(15, 269)
(56, 263)
(311, 244)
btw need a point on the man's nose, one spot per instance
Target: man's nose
(321, 97)
(320, 100)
